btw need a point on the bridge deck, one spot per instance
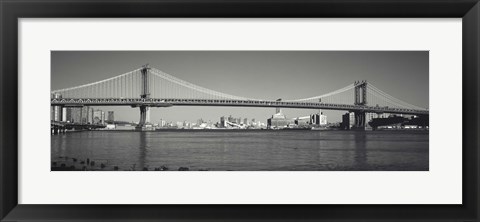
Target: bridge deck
(159, 102)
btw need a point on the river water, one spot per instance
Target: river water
(243, 150)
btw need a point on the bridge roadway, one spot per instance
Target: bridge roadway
(137, 102)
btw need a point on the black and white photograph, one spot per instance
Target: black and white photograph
(239, 111)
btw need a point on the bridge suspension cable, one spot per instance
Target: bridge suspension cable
(108, 88)
(330, 94)
(173, 87)
(381, 98)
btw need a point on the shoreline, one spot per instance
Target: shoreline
(240, 130)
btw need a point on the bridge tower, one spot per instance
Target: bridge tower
(144, 110)
(360, 100)
(361, 93)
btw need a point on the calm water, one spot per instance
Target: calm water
(245, 150)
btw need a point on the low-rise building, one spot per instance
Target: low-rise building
(279, 121)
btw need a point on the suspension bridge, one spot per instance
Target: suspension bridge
(148, 87)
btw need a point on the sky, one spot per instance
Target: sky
(265, 75)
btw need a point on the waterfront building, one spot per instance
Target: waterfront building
(57, 110)
(75, 115)
(352, 119)
(222, 122)
(64, 114)
(81, 115)
(111, 117)
(345, 122)
(57, 113)
(231, 119)
(67, 114)
(70, 115)
(278, 121)
(315, 119)
(303, 121)
(98, 117)
(245, 121)
(323, 120)
(318, 119)
(348, 120)
(87, 114)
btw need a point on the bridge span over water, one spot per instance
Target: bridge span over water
(136, 102)
(149, 87)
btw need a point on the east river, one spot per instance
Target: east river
(242, 150)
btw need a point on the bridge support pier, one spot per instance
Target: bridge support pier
(360, 120)
(144, 117)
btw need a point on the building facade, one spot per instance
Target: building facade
(279, 121)
(111, 117)
(56, 110)
(98, 117)
(222, 122)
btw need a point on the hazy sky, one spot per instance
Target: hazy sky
(252, 74)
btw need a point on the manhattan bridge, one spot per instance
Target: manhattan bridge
(148, 87)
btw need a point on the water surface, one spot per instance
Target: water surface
(238, 150)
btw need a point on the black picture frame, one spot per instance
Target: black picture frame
(11, 11)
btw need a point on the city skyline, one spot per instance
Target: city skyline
(88, 114)
(273, 75)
